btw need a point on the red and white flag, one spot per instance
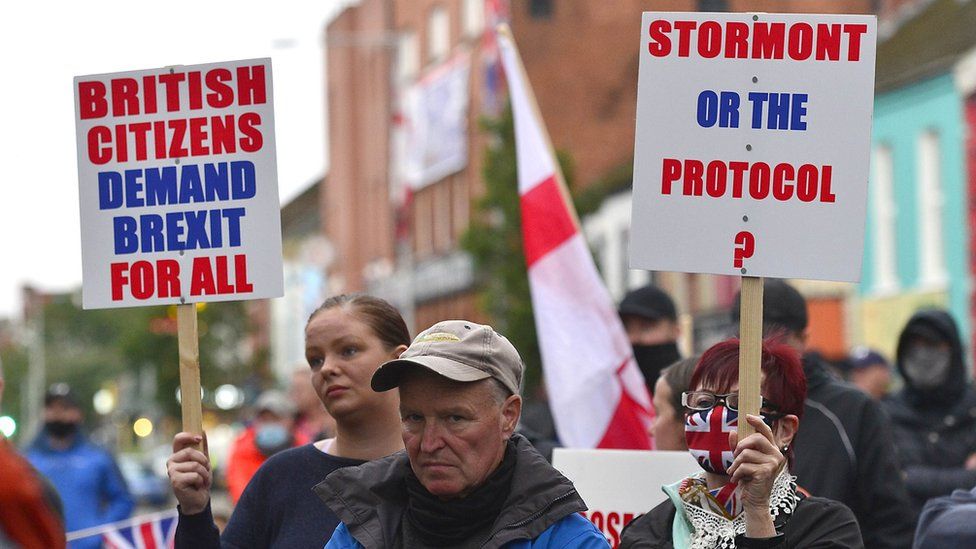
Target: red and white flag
(596, 392)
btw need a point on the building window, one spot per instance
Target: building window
(541, 9)
(438, 35)
(408, 57)
(883, 210)
(930, 205)
(472, 18)
(713, 5)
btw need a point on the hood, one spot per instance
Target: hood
(936, 322)
(370, 498)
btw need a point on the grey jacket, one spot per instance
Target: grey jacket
(370, 499)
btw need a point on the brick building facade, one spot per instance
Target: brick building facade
(582, 62)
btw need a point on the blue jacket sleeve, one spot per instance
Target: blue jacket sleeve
(342, 539)
(115, 494)
(572, 532)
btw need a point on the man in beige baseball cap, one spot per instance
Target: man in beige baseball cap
(460, 351)
(465, 479)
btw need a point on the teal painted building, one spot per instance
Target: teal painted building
(918, 239)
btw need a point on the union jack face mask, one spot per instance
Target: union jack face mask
(707, 435)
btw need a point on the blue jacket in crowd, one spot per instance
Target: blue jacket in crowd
(89, 482)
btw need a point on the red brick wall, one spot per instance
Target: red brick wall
(358, 217)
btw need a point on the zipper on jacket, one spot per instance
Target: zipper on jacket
(532, 517)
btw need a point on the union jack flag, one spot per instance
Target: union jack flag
(707, 433)
(156, 532)
(728, 497)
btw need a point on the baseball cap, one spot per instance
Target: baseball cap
(782, 306)
(863, 357)
(648, 302)
(276, 402)
(60, 392)
(460, 351)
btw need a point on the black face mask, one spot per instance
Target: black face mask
(60, 429)
(651, 359)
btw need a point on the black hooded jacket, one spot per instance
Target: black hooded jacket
(844, 452)
(935, 430)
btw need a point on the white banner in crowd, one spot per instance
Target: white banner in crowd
(435, 118)
(619, 485)
(178, 185)
(752, 144)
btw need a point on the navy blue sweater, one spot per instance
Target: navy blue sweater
(277, 509)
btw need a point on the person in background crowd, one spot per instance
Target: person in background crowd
(30, 510)
(948, 521)
(668, 425)
(746, 496)
(85, 476)
(934, 415)
(465, 480)
(651, 321)
(869, 372)
(271, 432)
(346, 340)
(845, 450)
(313, 421)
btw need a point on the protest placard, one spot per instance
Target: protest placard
(619, 485)
(178, 191)
(751, 153)
(178, 185)
(752, 144)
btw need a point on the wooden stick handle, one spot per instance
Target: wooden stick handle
(186, 321)
(750, 351)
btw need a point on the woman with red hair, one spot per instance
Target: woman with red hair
(745, 496)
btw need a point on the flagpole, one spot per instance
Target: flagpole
(505, 32)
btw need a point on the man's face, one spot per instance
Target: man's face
(59, 410)
(668, 425)
(267, 417)
(646, 331)
(873, 380)
(455, 433)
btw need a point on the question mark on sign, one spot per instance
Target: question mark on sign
(745, 246)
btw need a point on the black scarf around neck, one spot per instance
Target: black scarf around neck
(441, 523)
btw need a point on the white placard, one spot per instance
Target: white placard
(752, 144)
(618, 485)
(178, 185)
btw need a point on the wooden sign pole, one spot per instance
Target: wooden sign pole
(750, 351)
(186, 321)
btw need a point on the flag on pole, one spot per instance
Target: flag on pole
(157, 532)
(153, 531)
(596, 392)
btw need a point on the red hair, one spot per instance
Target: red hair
(784, 383)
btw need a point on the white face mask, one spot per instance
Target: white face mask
(927, 367)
